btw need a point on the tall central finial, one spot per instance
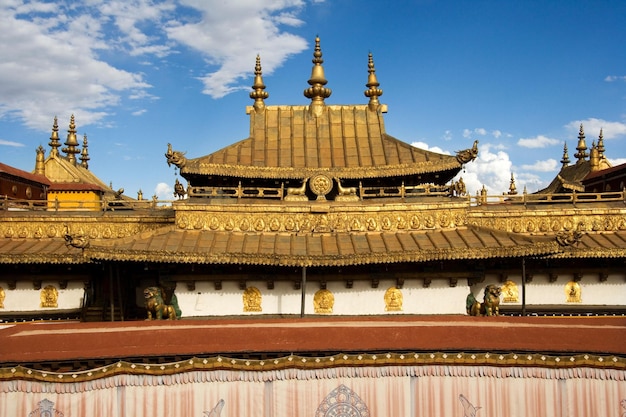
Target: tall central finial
(317, 92)
(373, 91)
(71, 142)
(582, 154)
(258, 94)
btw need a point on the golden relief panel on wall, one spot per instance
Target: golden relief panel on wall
(2, 297)
(49, 297)
(323, 302)
(573, 292)
(252, 300)
(510, 292)
(393, 299)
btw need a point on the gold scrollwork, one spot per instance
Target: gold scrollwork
(2, 297)
(510, 292)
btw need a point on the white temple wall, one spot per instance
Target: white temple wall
(25, 298)
(540, 291)
(362, 299)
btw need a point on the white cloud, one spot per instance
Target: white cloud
(496, 134)
(539, 141)
(9, 143)
(163, 191)
(139, 112)
(491, 169)
(611, 78)
(548, 165)
(230, 34)
(592, 126)
(49, 66)
(426, 147)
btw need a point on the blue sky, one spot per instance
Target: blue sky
(519, 76)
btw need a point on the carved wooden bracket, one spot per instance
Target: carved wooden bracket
(453, 282)
(375, 283)
(349, 283)
(37, 284)
(191, 285)
(270, 284)
(399, 283)
(218, 285)
(553, 277)
(322, 284)
(63, 284)
(427, 282)
(242, 285)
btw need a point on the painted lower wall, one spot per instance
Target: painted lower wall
(409, 391)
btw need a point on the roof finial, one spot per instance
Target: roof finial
(601, 144)
(84, 154)
(40, 166)
(258, 94)
(582, 154)
(512, 187)
(372, 83)
(54, 139)
(317, 92)
(71, 142)
(565, 160)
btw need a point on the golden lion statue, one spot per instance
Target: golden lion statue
(490, 305)
(155, 305)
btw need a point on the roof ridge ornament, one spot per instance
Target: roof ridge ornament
(565, 160)
(258, 94)
(373, 92)
(317, 92)
(582, 154)
(71, 142)
(54, 138)
(84, 154)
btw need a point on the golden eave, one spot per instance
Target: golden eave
(321, 249)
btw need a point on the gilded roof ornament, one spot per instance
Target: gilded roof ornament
(565, 160)
(601, 144)
(40, 167)
(582, 154)
(512, 187)
(84, 154)
(317, 92)
(54, 139)
(373, 92)
(71, 142)
(258, 94)
(468, 155)
(175, 158)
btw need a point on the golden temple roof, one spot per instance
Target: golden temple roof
(346, 141)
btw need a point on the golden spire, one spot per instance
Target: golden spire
(582, 154)
(258, 94)
(71, 143)
(565, 160)
(317, 92)
(601, 144)
(54, 139)
(84, 154)
(512, 187)
(594, 157)
(373, 91)
(40, 166)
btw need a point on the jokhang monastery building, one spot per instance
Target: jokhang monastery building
(319, 267)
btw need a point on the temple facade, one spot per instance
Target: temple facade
(306, 270)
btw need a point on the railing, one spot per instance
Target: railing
(238, 192)
(402, 191)
(7, 204)
(537, 199)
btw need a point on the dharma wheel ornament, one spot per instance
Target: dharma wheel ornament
(321, 184)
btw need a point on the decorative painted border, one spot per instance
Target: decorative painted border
(217, 363)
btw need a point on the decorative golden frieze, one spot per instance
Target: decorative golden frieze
(304, 222)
